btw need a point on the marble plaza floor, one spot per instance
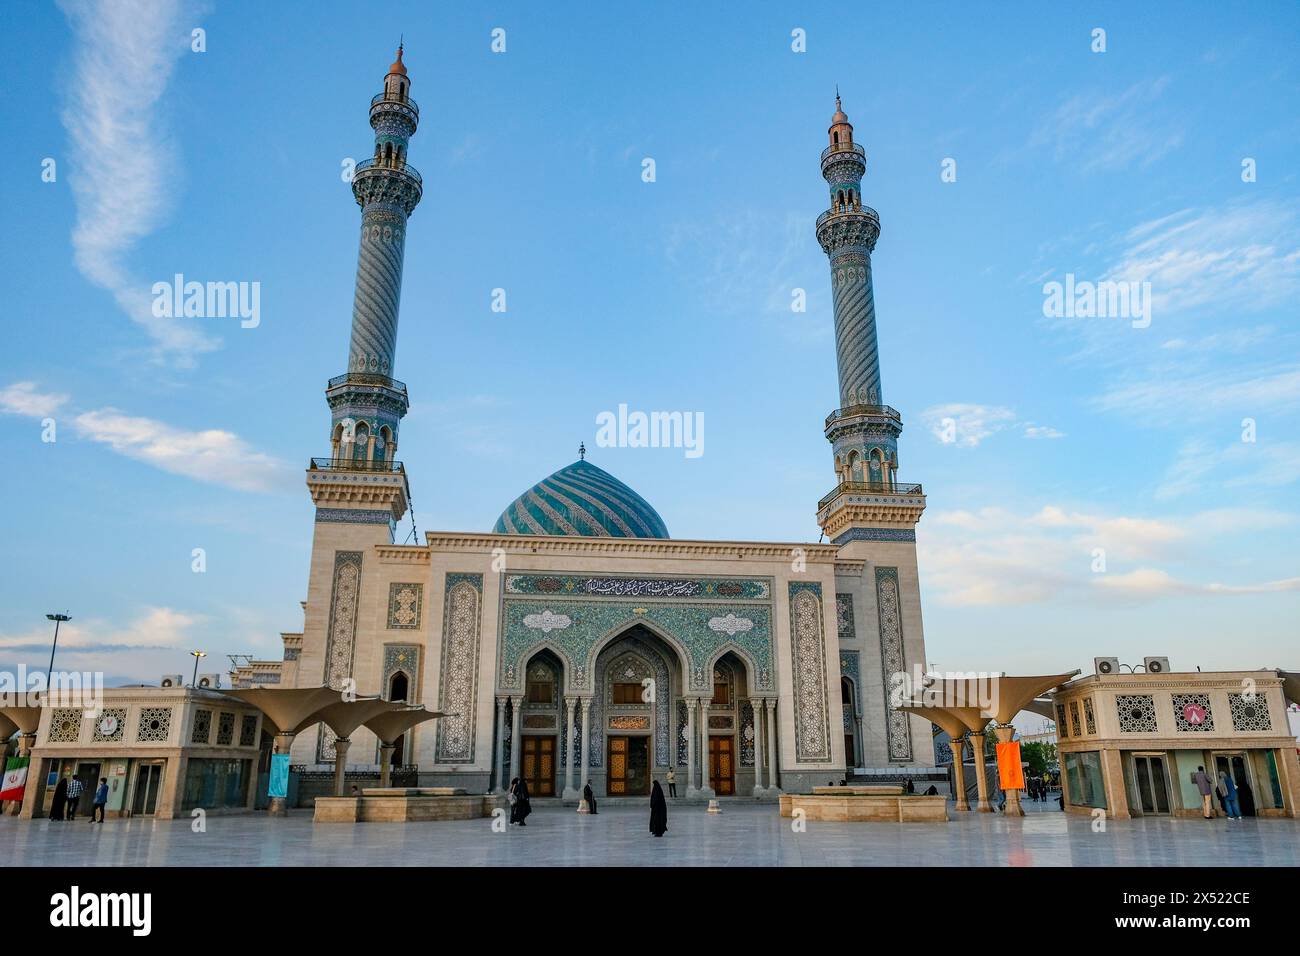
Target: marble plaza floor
(745, 834)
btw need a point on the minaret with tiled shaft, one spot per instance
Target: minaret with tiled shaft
(869, 514)
(360, 490)
(863, 431)
(366, 403)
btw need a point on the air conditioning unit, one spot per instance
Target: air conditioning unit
(171, 680)
(210, 681)
(1156, 665)
(1105, 666)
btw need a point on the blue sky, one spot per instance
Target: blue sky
(1071, 435)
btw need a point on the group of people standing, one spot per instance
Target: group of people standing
(521, 806)
(1039, 788)
(1226, 789)
(67, 795)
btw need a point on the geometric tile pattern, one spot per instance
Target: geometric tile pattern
(226, 729)
(892, 660)
(154, 725)
(1249, 712)
(202, 727)
(460, 652)
(340, 639)
(1192, 713)
(248, 731)
(747, 734)
(65, 725)
(404, 602)
(1136, 712)
(811, 721)
(844, 617)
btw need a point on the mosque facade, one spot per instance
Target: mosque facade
(577, 641)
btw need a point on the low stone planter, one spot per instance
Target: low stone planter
(407, 805)
(847, 807)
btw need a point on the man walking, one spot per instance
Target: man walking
(100, 801)
(1204, 786)
(671, 779)
(75, 786)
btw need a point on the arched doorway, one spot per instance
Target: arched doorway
(848, 700)
(636, 714)
(541, 723)
(399, 690)
(730, 731)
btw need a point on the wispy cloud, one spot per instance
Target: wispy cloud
(122, 160)
(1201, 465)
(212, 455)
(1175, 397)
(1099, 131)
(1000, 557)
(966, 425)
(1242, 256)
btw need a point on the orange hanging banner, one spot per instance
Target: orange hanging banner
(1011, 776)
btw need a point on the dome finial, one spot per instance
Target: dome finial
(398, 66)
(582, 451)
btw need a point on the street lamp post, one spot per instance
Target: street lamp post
(194, 682)
(49, 673)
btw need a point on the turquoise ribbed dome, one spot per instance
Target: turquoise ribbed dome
(581, 499)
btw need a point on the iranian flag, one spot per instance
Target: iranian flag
(15, 779)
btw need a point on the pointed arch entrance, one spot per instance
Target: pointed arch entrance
(540, 723)
(634, 713)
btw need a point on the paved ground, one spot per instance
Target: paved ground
(743, 835)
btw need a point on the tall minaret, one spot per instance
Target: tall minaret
(362, 482)
(360, 490)
(863, 431)
(366, 403)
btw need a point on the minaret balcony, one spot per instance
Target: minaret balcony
(882, 488)
(863, 411)
(384, 102)
(368, 378)
(389, 167)
(843, 148)
(357, 464)
(865, 211)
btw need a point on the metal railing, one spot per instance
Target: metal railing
(397, 168)
(356, 464)
(844, 148)
(385, 98)
(863, 210)
(849, 411)
(871, 488)
(368, 378)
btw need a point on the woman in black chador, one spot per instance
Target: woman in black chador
(589, 797)
(658, 811)
(519, 805)
(58, 809)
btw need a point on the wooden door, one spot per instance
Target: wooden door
(616, 781)
(539, 765)
(722, 766)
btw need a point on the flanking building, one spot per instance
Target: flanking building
(576, 640)
(1130, 743)
(164, 750)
